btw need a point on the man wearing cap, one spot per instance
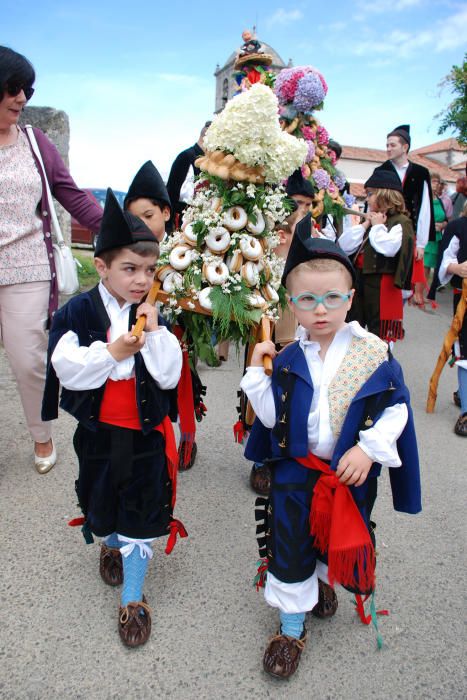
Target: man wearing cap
(416, 188)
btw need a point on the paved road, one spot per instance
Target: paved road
(58, 630)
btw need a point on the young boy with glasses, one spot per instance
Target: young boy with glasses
(334, 413)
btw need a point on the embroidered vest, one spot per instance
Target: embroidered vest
(362, 358)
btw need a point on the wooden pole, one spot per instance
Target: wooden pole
(150, 299)
(450, 338)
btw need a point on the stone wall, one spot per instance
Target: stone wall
(55, 123)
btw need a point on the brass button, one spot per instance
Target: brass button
(284, 397)
(146, 420)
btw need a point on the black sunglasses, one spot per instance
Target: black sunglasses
(14, 89)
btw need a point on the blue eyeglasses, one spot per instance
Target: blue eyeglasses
(331, 300)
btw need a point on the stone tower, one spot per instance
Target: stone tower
(226, 86)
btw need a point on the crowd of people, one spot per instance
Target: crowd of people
(334, 413)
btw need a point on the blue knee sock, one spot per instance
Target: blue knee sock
(292, 624)
(112, 541)
(462, 377)
(134, 572)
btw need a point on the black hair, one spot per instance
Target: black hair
(155, 202)
(143, 248)
(15, 70)
(336, 147)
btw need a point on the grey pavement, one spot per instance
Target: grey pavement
(58, 631)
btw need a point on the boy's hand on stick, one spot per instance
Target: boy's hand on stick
(377, 217)
(125, 346)
(261, 349)
(150, 312)
(353, 467)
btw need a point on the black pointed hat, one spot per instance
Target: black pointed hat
(297, 184)
(148, 184)
(120, 229)
(304, 247)
(384, 180)
(403, 131)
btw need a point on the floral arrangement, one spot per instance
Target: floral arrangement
(221, 264)
(248, 128)
(301, 92)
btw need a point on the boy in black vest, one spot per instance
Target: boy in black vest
(117, 387)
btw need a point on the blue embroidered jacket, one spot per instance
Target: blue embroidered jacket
(85, 314)
(293, 392)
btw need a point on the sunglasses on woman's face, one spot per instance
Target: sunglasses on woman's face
(14, 89)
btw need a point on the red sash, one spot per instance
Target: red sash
(339, 529)
(391, 309)
(185, 402)
(119, 407)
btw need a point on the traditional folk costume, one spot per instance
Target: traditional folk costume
(313, 530)
(124, 441)
(456, 252)
(383, 258)
(418, 196)
(187, 405)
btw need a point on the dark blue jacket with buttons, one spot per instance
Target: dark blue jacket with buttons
(86, 316)
(293, 393)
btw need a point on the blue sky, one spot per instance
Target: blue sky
(136, 79)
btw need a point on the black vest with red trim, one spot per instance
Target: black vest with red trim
(86, 316)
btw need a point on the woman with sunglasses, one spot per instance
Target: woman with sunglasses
(28, 287)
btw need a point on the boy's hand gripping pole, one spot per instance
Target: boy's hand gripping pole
(150, 299)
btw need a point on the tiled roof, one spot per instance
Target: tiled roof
(357, 153)
(445, 145)
(378, 156)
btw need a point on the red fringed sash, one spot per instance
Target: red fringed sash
(418, 272)
(391, 310)
(119, 407)
(185, 402)
(339, 530)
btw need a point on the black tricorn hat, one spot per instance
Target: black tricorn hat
(384, 180)
(148, 184)
(120, 229)
(297, 184)
(304, 247)
(403, 131)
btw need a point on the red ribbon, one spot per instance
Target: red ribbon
(239, 432)
(359, 603)
(176, 528)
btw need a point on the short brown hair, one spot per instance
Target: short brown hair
(143, 248)
(320, 265)
(391, 201)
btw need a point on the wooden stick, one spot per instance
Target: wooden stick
(150, 299)
(450, 338)
(265, 334)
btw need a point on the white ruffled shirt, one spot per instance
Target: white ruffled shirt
(424, 215)
(378, 442)
(385, 241)
(82, 368)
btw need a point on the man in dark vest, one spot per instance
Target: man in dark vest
(416, 188)
(180, 180)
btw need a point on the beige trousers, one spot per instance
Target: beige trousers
(23, 317)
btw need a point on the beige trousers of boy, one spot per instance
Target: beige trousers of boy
(23, 316)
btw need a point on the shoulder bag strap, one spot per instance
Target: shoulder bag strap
(53, 213)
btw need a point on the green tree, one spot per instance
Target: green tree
(455, 115)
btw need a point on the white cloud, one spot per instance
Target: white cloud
(445, 35)
(381, 6)
(282, 16)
